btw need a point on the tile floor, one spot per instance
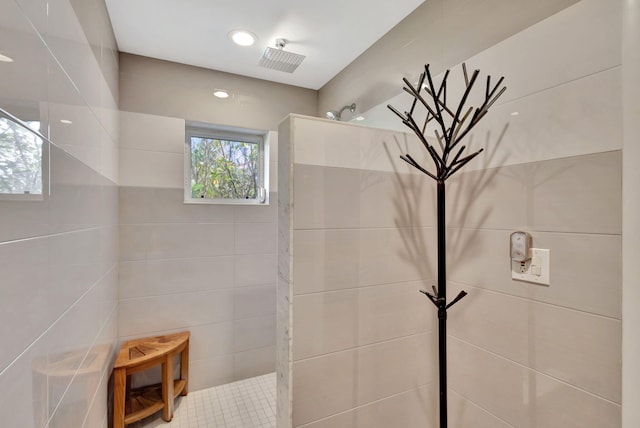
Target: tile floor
(249, 403)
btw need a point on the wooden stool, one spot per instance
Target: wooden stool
(141, 354)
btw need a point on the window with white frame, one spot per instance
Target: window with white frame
(21, 159)
(224, 165)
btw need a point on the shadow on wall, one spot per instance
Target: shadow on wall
(467, 189)
(408, 190)
(410, 187)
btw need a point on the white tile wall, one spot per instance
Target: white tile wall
(553, 76)
(524, 397)
(59, 255)
(362, 335)
(210, 269)
(553, 174)
(151, 169)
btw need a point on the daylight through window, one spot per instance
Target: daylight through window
(224, 166)
(20, 158)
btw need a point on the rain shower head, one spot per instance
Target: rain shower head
(278, 59)
(336, 115)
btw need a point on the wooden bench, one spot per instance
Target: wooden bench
(131, 405)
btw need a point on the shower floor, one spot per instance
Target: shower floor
(249, 403)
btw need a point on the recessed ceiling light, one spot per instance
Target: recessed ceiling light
(66, 121)
(359, 118)
(514, 113)
(221, 93)
(243, 37)
(4, 58)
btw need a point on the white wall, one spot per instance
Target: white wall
(58, 256)
(164, 88)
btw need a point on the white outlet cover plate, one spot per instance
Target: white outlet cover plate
(544, 255)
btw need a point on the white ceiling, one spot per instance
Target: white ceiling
(330, 33)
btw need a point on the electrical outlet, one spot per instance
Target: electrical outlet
(523, 267)
(535, 270)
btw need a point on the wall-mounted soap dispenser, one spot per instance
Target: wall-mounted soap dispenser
(520, 247)
(527, 263)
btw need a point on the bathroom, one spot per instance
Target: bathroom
(113, 253)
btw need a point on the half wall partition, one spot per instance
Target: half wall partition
(356, 341)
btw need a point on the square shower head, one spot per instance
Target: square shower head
(278, 59)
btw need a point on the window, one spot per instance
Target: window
(21, 159)
(224, 165)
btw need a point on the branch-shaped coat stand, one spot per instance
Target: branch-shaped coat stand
(451, 128)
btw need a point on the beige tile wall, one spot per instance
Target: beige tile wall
(362, 244)
(205, 269)
(362, 336)
(58, 256)
(209, 269)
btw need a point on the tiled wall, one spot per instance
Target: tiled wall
(58, 255)
(356, 343)
(520, 355)
(535, 355)
(630, 213)
(209, 269)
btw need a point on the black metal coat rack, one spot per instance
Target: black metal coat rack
(451, 128)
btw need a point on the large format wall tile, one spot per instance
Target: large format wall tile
(576, 347)
(411, 409)
(575, 118)
(442, 33)
(524, 397)
(141, 205)
(578, 194)
(328, 143)
(350, 198)
(59, 255)
(327, 260)
(557, 50)
(255, 269)
(139, 315)
(155, 277)
(336, 382)
(585, 269)
(254, 301)
(464, 413)
(336, 321)
(175, 240)
(212, 266)
(254, 362)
